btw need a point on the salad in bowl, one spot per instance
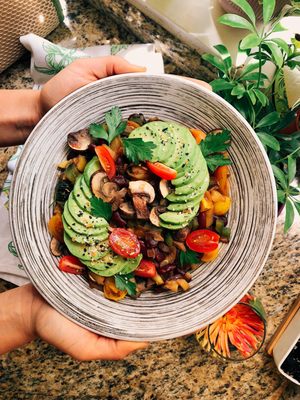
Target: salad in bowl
(139, 203)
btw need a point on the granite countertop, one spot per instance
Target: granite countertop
(173, 369)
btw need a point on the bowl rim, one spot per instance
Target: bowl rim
(173, 79)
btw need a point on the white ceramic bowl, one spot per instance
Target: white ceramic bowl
(216, 286)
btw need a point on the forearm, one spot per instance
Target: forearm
(16, 311)
(20, 111)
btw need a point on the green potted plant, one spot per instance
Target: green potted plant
(261, 100)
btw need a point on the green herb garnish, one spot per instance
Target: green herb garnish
(115, 125)
(98, 131)
(188, 257)
(100, 208)
(123, 282)
(137, 150)
(212, 146)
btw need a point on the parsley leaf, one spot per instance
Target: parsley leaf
(188, 257)
(100, 208)
(137, 150)
(123, 283)
(212, 146)
(216, 160)
(116, 126)
(98, 131)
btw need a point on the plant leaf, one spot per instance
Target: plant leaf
(238, 90)
(225, 55)
(269, 140)
(268, 10)
(280, 176)
(281, 196)
(98, 131)
(236, 21)
(281, 43)
(257, 306)
(245, 6)
(221, 84)
(123, 283)
(216, 160)
(250, 41)
(279, 28)
(215, 61)
(214, 143)
(100, 208)
(262, 98)
(269, 119)
(249, 68)
(137, 150)
(291, 168)
(297, 205)
(289, 215)
(276, 53)
(188, 257)
(253, 76)
(251, 96)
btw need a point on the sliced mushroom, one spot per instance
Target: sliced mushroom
(80, 140)
(164, 188)
(138, 172)
(109, 190)
(56, 247)
(138, 118)
(181, 234)
(98, 179)
(118, 198)
(179, 245)
(127, 210)
(140, 204)
(170, 258)
(154, 218)
(143, 189)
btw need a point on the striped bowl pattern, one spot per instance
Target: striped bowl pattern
(215, 286)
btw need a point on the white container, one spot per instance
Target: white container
(286, 344)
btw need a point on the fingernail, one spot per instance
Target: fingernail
(139, 68)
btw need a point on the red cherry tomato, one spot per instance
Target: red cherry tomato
(124, 243)
(146, 269)
(71, 265)
(203, 240)
(162, 170)
(106, 160)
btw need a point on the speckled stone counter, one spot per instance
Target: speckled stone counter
(175, 369)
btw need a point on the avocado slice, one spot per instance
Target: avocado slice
(195, 184)
(78, 228)
(179, 217)
(184, 206)
(85, 251)
(84, 239)
(80, 197)
(90, 168)
(85, 188)
(131, 265)
(83, 216)
(112, 264)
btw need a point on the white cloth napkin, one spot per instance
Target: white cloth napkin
(47, 59)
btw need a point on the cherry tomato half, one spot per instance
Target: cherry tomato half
(162, 170)
(202, 240)
(124, 243)
(71, 265)
(146, 269)
(106, 160)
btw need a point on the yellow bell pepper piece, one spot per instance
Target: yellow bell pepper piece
(210, 256)
(222, 207)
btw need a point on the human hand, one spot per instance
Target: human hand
(81, 72)
(20, 110)
(25, 315)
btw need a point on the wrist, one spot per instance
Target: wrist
(17, 317)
